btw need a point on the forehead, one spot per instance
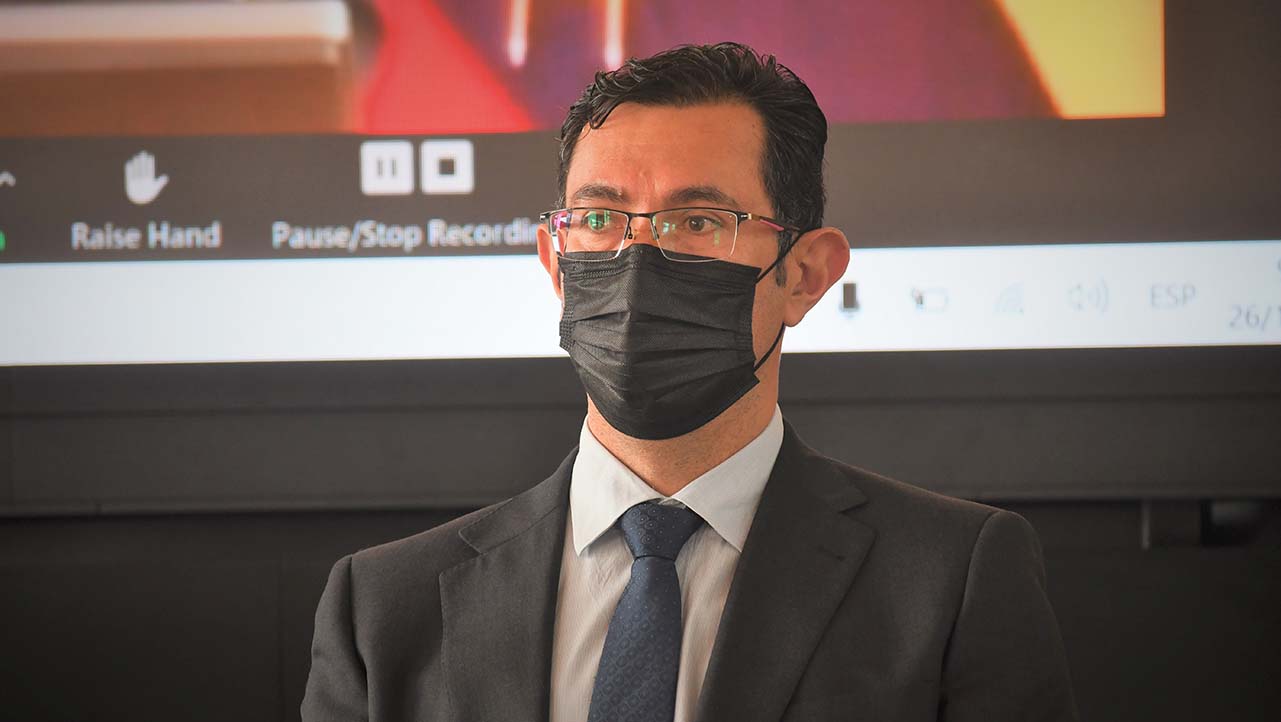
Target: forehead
(651, 154)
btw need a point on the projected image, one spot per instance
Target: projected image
(458, 66)
(866, 60)
(362, 179)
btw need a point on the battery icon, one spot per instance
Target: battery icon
(849, 296)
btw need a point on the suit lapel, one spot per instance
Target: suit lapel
(499, 607)
(798, 562)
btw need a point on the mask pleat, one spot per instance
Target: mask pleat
(661, 346)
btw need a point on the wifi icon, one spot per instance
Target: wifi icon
(1011, 300)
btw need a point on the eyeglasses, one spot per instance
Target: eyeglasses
(688, 235)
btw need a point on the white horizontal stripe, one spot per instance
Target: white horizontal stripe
(998, 297)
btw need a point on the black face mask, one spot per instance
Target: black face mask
(661, 346)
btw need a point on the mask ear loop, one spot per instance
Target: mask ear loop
(772, 346)
(786, 250)
(796, 236)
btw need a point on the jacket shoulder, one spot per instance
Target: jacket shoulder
(894, 496)
(909, 517)
(431, 551)
(425, 555)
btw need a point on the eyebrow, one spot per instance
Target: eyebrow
(598, 192)
(680, 197)
(702, 194)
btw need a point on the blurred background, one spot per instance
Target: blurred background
(268, 296)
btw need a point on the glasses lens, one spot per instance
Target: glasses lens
(706, 233)
(588, 230)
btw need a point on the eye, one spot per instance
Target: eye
(596, 220)
(700, 224)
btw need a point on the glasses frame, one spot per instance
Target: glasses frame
(628, 234)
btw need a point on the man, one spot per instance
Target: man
(692, 559)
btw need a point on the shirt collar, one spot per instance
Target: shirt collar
(602, 488)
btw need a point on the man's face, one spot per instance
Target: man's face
(648, 158)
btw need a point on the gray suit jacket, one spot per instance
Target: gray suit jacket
(856, 598)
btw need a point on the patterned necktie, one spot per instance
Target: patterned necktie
(636, 679)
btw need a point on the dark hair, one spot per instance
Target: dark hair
(795, 127)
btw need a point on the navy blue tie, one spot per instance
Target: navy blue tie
(636, 679)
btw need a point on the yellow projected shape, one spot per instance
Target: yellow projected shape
(1096, 58)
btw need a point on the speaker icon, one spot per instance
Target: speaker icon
(1089, 296)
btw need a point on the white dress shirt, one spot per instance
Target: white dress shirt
(596, 564)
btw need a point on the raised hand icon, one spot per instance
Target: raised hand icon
(141, 184)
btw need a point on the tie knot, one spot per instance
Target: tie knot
(655, 530)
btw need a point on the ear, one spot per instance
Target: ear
(547, 256)
(815, 264)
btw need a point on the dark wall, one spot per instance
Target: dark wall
(168, 530)
(1059, 424)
